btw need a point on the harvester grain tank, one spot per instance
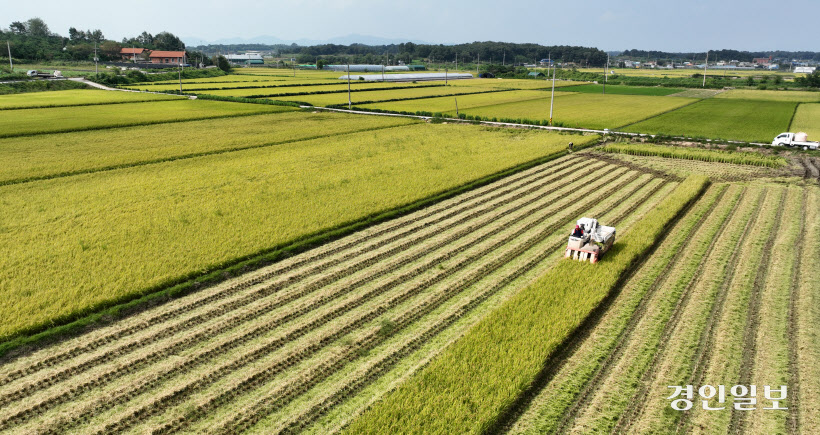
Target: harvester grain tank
(593, 243)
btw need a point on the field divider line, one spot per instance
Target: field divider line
(474, 277)
(658, 114)
(438, 276)
(292, 315)
(638, 400)
(88, 104)
(605, 367)
(264, 292)
(793, 417)
(739, 418)
(338, 246)
(307, 418)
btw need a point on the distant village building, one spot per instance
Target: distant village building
(133, 53)
(762, 60)
(169, 57)
(249, 58)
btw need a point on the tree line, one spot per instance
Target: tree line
(33, 40)
(485, 52)
(726, 55)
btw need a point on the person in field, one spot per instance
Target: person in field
(578, 232)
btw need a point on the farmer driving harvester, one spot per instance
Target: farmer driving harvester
(589, 240)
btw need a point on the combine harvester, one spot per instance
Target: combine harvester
(592, 243)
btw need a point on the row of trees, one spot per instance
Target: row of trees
(488, 51)
(33, 40)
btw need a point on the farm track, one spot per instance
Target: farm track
(180, 344)
(468, 236)
(740, 419)
(605, 366)
(639, 399)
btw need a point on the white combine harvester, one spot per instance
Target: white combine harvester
(595, 241)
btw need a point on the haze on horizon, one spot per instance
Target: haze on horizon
(690, 26)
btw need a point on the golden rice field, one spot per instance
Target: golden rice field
(807, 119)
(53, 155)
(448, 104)
(75, 97)
(586, 110)
(755, 94)
(370, 96)
(179, 217)
(25, 122)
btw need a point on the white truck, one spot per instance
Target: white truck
(795, 140)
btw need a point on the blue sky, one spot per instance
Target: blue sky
(691, 25)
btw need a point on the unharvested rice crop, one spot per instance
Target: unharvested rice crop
(293, 90)
(688, 153)
(745, 120)
(193, 87)
(623, 90)
(173, 219)
(807, 119)
(753, 94)
(478, 377)
(447, 105)
(368, 96)
(585, 110)
(540, 83)
(24, 122)
(51, 155)
(75, 97)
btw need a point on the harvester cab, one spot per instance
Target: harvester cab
(593, 244)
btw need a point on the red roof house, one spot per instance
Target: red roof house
(169, 57)
(131, 53)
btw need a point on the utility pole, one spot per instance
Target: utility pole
(552, 98)
(606, 72)
(11, 63)
(456, 106)
(705, 65)
(445, 76)
(180, 78)
(456, 61)
(96, 70)
(504, 58)
(349, 101)
(382, 74)
(477, 64)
